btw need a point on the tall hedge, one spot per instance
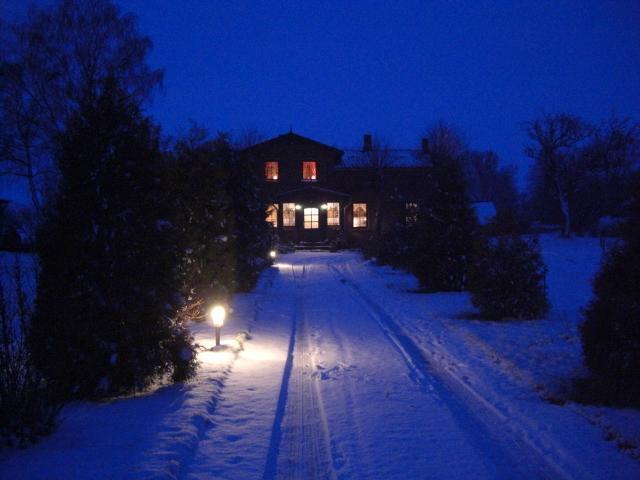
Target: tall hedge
(611, 330)
(107, 291)
(219, 212)
(442, 241)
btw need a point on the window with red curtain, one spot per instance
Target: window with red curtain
(271, 171)
(309, 172)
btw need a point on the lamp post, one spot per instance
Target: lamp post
(217, 314)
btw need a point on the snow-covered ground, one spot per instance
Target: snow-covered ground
(347, 374)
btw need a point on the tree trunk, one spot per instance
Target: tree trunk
(564, 208)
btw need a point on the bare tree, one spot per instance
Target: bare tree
(556, 143)
(57, 58)
(444, 141)
(487, 181)
(248, 137)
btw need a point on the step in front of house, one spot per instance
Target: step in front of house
(311, 246)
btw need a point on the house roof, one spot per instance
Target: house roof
(293, 139)
(399, 158)
(312, 188)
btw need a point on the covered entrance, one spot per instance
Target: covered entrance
(310, 215)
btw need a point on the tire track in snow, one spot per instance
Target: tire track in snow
(276, 431)
(300, 447)
(468, 404)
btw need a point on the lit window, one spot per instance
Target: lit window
(359, 215)
(309, 172)
(272, 215)
(411, 209)
(288, 214)
(333, 214)
(271, 171)
(311, 218)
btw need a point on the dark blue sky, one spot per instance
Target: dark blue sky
(335, 70)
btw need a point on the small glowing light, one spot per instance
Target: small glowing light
(298, 207)
(217, 314)
(323, 206)
(313, 177)
(275, 177)
(273, 254)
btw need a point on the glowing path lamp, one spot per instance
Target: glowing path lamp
(273, 254)
(217, 314)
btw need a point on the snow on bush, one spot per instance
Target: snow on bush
(507, 279)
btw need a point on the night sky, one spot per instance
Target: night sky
(335, 70)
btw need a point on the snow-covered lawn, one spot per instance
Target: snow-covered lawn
(347, 374)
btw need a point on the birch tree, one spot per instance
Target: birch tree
(56, 59)
(556, 144)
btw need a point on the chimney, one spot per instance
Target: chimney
(425, 146)
(366, 143)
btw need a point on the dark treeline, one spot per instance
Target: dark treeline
(137, 233)
(582, 174)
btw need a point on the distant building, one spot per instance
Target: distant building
(317, 192)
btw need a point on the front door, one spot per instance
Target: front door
(313, 230)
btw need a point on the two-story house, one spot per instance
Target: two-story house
(316, 192)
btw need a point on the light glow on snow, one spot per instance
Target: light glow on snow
(215, 357)
(261, 355)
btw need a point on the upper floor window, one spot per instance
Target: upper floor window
(333, 214)
(309, 172)
(272, 215)
(359, 215)
(271, 171)
(411, 212)
(288, 214)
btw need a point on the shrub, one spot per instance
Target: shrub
(394, 246)
(506, 279)
(26, 409)
(611, 330)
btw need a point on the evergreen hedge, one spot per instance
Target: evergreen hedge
(611, 330)
(105, 321)
(507, 279)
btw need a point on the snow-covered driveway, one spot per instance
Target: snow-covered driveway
(362, 405)
(337, 383)
(346, 375)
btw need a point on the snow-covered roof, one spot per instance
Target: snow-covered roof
(485, 211)
(354, 158)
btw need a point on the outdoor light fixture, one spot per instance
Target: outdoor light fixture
(217, 314)
(323, 206)
(273, 254)
(298, 206)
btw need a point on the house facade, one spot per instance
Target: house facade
(318, 194)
